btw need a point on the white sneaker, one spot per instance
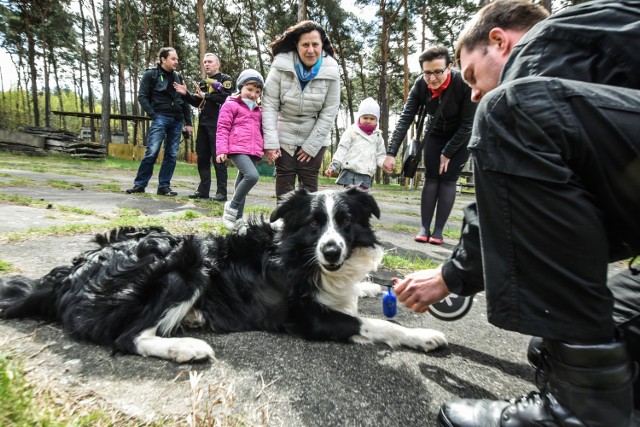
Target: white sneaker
(229, 216)
(240, 227)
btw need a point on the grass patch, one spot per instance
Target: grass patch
(6, 267)
(115, 188)
(407, 263)
(23, 404)
(64, 185)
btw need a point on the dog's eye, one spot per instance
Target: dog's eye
(315, 223)
(346, 221)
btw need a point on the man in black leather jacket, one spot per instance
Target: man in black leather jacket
(168, 111)
(211, 93)
(558, 198)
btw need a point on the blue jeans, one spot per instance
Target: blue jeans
(161, 126)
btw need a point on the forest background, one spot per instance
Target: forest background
(80, 55)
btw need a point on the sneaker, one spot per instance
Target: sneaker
(167, 191)
(229, 216)
(219, 198)
(135, 189)
(198, 195)
(240, 227)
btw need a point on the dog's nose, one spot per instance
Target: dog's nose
(331, 252)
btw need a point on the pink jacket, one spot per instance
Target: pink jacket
(239, 128)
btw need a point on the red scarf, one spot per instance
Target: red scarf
(437, 92)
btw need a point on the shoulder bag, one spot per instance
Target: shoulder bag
(413, 150)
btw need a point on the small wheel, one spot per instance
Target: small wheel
(451, 308)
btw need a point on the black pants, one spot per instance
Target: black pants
(558, 198)
(206, 151)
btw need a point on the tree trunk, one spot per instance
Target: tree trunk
(405, 53)
(54, 63)
(302, 10)
(201, 35)
(345, 72)
(122, 93)
(47, 89)
(254, 26)
(85, 60)
(97, 26)
(105, 128)
(145, 29)
(171, 12)
(31, 55)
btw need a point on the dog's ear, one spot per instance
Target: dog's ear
(365, 200)
(292, 202)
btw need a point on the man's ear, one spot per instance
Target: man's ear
(501, 41)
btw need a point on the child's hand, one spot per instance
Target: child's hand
(221, 158)
(329, 172)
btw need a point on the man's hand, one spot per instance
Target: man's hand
(389, 164)
(217, 86)
(421, 289)
(198, 93)
(180, 88)
(189, 129)
(221, 158)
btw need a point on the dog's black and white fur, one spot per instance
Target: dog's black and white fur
(141, 285)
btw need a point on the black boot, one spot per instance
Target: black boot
(586, 385)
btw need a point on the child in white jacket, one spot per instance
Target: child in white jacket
(360, 150)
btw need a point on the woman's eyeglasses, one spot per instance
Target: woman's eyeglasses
(436, 73)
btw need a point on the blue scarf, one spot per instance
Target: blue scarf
(304, 75)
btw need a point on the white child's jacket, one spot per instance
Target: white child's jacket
(359, 152)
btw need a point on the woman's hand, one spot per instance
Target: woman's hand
(302, 156)
(272, 155)
(329, 172)
(389, 164)
(444, 163)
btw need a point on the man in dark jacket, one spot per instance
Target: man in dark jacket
(160, 100)
(558, 198)
(211, 93)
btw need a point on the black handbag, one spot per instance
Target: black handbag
(413, 150)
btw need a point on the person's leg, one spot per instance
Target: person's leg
(156, 135)
(308, 171)
(203, 150)
(285, 174)
(220, 168)
(550, 155)
(446, 198)
(171, 146)
(428, 200)
(247, 179)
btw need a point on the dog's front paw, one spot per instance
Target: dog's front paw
(424, 339)
(184, 350)
(368, 289)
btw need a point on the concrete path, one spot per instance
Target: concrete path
(259, 378)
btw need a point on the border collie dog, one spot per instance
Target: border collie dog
(141, 286)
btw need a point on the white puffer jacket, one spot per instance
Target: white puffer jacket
(359, 152)
(294, 117)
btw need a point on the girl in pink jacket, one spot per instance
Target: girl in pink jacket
(239, 138)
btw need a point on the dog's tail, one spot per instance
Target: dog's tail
(33, 298)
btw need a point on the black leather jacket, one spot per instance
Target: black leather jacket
(591, 42)
(157, 96)
(455, 121)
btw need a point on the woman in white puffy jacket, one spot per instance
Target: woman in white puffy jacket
(300, 101)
